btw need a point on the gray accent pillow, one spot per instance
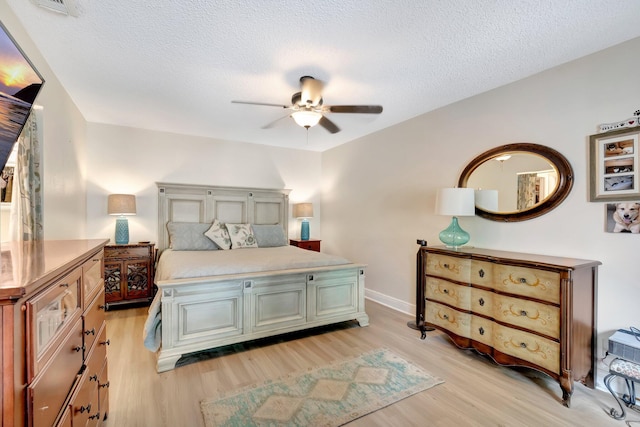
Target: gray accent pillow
(269, 236)
(189, 236)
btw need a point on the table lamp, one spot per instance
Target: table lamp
(304, 211)
(122, 204)
(455, 202)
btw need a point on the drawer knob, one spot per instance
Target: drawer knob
(523, 344)
(481, 273)
(481, 330)
(523, 313)
(481, 301)
(93, 377)
(446, 291)
(105, 385)
(95, 417)
(84, 409)
(78, 348)
(107, 342)
(445, 316)
(102, 307)
(64, 285)
(92, 331)
(523, 280)
(445, 265)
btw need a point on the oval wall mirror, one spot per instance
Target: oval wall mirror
(517, 182)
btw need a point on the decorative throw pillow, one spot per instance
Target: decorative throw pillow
(269, 236)
(189, 236)
(219, 235)
(241, 236)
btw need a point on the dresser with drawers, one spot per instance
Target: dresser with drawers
(54, 344)
(521, 309)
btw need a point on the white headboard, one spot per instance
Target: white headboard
(204, 203)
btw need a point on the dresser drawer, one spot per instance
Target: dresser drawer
(452, 320)
(526, 346)
(85, 408)
(530, 282)
(92, 278)
(50, 315)
(49, 390)
(537, 317)
(448, 293)
(103, 388)
(93, 321)
(448, 267)
(114, 252)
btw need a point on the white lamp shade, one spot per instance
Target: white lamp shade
(306, 119)
(487, 200)
(121, 204)
(303, 210)
(455, 202)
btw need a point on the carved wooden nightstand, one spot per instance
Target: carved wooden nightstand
(128, 274)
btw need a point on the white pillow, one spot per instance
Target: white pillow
(189, 236)
(219, 235)
(241, 236)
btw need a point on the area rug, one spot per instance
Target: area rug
(332, 395)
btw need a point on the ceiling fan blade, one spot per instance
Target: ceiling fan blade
(310, 90)
(360, 109)
(260, 103)
(328, 125)
(273, 123)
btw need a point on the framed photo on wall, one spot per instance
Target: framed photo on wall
(623, 217)
(613, 164)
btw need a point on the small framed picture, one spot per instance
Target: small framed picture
(6, 184)
(623, 217)
(613, 165)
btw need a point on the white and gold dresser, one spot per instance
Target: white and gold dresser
(521, 309)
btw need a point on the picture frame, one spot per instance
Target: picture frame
(622, 217)
(613, 165)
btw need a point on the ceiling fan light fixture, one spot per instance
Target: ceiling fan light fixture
(306, 119)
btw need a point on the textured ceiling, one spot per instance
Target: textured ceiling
(176, 65)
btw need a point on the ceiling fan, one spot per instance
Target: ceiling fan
(308, 109)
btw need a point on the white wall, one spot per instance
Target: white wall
(379, 191)
(129, 160)
(63, 146)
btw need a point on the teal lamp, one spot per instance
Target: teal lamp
(304, 211)
(121, 205)
(455, 202)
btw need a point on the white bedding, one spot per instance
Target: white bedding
(188, 264)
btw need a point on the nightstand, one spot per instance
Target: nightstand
(128, 274)
(312, 245)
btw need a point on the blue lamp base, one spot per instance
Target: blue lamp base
(122, 231)
(304, 230)
(454, 236)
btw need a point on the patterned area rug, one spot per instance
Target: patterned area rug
(328, 396)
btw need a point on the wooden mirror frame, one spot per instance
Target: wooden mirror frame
(562, 190)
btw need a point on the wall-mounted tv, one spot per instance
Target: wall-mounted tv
(20, 83)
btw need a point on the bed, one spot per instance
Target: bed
(210, 297)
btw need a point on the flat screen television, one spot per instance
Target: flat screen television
(20, 83)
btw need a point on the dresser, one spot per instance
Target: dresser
(521, 309)
(54, 343)
(128, 274)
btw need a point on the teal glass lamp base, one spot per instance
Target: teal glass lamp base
(122, 231)
(454, 236)
(304, 230)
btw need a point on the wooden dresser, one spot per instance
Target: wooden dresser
(54, 357)
(521, 309)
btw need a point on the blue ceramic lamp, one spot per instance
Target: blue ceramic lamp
(455, 202)
(121, 205)
(304, 211)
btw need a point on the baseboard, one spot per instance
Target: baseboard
(391, 302)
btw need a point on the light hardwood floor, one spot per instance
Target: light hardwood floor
(476, 391)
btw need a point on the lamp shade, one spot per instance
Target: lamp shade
(306, 119)
(303, 210)
(121, 204)
(487, 200)
(455, 202)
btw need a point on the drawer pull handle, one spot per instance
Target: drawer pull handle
(84, 409)
(92, 331)
(523, 344)
(446, 291)
(95, 259)
(523, 313)
(481, 330)
(102, 307)
(64, 285)
(523, 280)
(481, 301)
(481, 273)
(78, 348)
(107, 342)
(104, 385)
(95, 417)
(446, 316)
(445, 265)
(93, 377)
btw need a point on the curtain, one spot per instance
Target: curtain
(26, 198)
(526, 190)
